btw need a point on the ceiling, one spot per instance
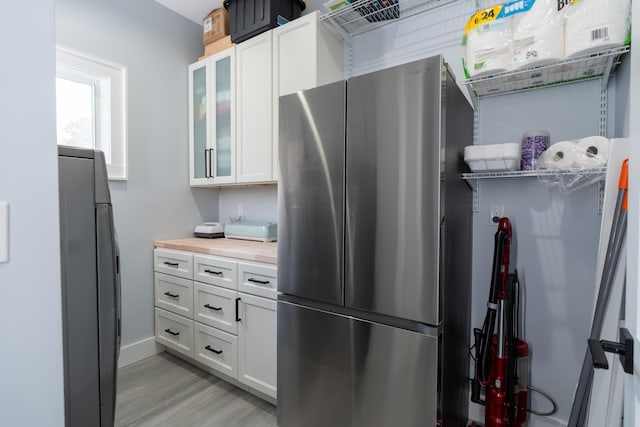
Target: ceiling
(194, 10)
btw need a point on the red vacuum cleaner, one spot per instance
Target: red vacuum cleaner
(501, 357)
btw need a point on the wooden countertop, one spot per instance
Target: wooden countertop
(232, 248)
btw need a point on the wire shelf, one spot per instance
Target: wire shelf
(587, 67)
(542, 172)
(364, 15)
(590, 174)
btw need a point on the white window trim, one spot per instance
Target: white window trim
(113, 86)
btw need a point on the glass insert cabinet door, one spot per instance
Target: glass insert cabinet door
(212, 120)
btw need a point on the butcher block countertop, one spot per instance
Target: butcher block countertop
(232, 248)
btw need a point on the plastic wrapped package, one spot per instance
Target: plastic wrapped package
(538, 34)
(578, 157)
(594, 25)
(487, 41)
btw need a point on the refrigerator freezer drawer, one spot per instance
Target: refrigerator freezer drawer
(175, 332)
(338, 371)
(174, 294)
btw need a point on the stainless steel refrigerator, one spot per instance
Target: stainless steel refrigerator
(90, 288)
(374, 251)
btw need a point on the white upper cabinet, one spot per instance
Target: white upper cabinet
(306, 54)
(234, 99)
(255, 109)
(212, 127)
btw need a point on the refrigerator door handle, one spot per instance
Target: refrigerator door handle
(108, 308)
(238, 319)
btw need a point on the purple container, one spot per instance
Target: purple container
(534, 143)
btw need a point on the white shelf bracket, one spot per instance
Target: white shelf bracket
(476, 197)
(600, 196)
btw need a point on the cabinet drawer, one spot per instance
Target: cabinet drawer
(217, 349)
(215, 271)
(175, 263)
(216, 307)
(174, 331)
(174, 294)
(258, 279)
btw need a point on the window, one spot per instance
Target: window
(91, 107)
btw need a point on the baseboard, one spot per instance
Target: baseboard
(137, 351)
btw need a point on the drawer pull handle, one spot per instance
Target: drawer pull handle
(219, 273)
(169, 331)
(238, 319)
(169, 294)
(212, 307)
(213, 350)
(171, 264)
(262, 282)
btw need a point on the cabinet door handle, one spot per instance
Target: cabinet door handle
(212, 307)
(171, 264)
(238, 319)
(213, 350)
(169, 294)
(169, 331)
(219, 273)
(210, 163)
(206, 163)
(262, 282)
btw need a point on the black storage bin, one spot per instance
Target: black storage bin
(248, 18)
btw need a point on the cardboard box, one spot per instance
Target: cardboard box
(217, 46)
(215, 26)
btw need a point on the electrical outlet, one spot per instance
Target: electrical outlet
(495, 213)
(240, 209)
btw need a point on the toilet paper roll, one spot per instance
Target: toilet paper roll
(538, 34)
(594, 25)
(489, 47)
(561, 155)
(593, 152)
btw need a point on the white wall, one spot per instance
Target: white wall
(259, 203)
(30, 312)
(155, 45)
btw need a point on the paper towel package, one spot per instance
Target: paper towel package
(488, 43)
(538, 34)
(594, 25)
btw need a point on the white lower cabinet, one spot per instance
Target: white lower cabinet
(216, 307)
(217, 349)
(221, 313)
(175, 332)
(257, 343)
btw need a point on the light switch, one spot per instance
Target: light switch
(4, 232)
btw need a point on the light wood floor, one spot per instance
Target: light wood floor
(162, 390)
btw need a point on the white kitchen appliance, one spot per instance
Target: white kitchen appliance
(209, 230)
